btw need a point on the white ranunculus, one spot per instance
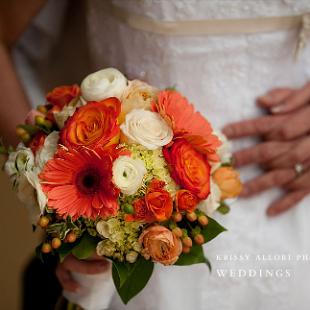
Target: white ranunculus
(224, 151)
(19, 161)
(128, 174)
(103, 84)
(147, 128)
(64, 114)
(209, 205)
(47, 151)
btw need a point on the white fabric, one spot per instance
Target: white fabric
(95, 292)
(222, 76)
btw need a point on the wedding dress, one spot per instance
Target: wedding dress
(222, 75)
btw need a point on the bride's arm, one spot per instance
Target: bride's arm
(15, 15)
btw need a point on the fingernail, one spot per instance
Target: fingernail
(277, 109)
(265, 98)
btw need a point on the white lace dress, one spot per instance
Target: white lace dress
(222, 75)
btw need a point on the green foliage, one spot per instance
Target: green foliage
(86, 247)
(212, 230)
(195, 256)
(130, 279)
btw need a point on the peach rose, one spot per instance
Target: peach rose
(189, 168)
(227, 179)
(62, 95)
(157, 204)
(160, 244)
(185, 201)
(94, 124)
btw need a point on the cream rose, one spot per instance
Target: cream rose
(146, 128)
(103, 84)
(64, 114)
(128, 174)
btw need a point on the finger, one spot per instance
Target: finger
(253, 127)
(298, 152)
(66, 280)
(302, 182)
(260, 153)
(274, 97)
(298, 99)
(87, 267)
(295, 126)
(287, 202)
(266, 181)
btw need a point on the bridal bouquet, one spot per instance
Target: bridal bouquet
(126, 170)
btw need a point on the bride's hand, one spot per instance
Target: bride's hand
(287, 145)
(71, 264)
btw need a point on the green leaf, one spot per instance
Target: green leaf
(212, 230)
(86, 247)
(66, 249)
(195, 256)
(130, 279)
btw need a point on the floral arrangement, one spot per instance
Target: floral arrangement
(126, 170)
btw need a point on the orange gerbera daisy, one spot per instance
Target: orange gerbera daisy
(187, 123)
(79, 183)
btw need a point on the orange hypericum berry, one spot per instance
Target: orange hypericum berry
(192, 216)
(56, 243)
(186, 249)
(46, 248)
(199, 239)
(42, 109)
(43, 221)
(71, 237)
(203, 220)
(177, 216)
(187, 241)
(177, 231)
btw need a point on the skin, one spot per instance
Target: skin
(285, 142)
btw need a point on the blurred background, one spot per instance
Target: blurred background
(18, 245)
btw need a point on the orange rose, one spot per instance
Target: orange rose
(227, 179)
(160, 244)
(37, 141)
(94, 124)
(189, 168)
(185, 201)
(157, 204)
(60, 96)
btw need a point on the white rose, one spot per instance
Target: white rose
(209, 205)
(147, 128)
(128, 174)
(103, 84)
(47, 151)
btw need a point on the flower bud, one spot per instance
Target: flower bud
(43, 221)
(42, 109)
(203, 220)
(71, 237)
(46, 248)
(39, 120)
(20, 131)
(192, 216)
(128, 208)
(177, 216)
(186, 249)
(187, 241)
(177, 231)
(199, 239)
(25, 137)
(56, 243)
(131, 256)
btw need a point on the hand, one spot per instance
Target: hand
(96, 265)
(283, 149)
